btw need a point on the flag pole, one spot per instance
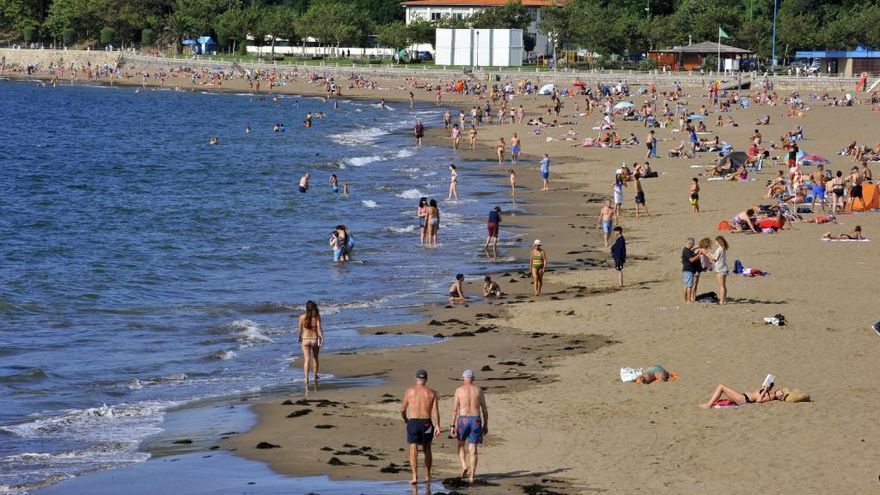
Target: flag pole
(719, 49)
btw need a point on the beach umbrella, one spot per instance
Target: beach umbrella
(580, 84)
(623, 104)
(813, 159)
(696, 116)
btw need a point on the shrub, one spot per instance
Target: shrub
(29, 34)
(108, 35)
(68, 36)
(147, 37)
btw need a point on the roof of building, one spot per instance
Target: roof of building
(476, 3)
(839, 54)
(707, 47)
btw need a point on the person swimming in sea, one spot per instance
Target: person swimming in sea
(334, 183)
(214, 141)
(345, 189)
(304, 183)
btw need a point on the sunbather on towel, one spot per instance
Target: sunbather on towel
(759, 396)
(855, 235)
(654, 374)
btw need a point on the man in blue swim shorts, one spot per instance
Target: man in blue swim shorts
(470, 422)
(421, 414)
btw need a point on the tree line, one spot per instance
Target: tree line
(621, 27)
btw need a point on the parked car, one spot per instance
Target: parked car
(424, 55)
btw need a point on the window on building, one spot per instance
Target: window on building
(458, 15)
(436, 16)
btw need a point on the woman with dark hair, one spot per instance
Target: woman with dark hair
(422, 213)
(433, 221)
(311, 339)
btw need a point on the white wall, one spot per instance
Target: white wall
(481, 47)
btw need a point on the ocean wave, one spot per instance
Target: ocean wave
(248, 331)
(411, 194)
(28, 375)
(408, 170)
(360, 161)
(223, 355)
(401, 230)
(369, 203)
(365, 135)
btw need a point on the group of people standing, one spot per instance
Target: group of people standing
(697, 258)
(429, 220)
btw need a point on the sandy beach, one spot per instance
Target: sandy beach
(561, 419)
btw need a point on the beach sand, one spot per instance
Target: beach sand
(559, 414)
(575, 420)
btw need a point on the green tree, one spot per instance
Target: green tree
(108, 35)
(147, 37)
(510, 16)
(177, 27)
(231, 28)
(68, 36)
(29, 34)
(394, 35)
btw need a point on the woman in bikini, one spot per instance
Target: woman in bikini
(433, 221)
(512, 173)
(538, 265)
(757, 397)
(422, 213)
(453, 183)
(838, 189)
(499, 150)
(855, 235)
(311, 338)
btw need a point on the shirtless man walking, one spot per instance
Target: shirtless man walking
(470, 422)
(421, 414)
(606, 220)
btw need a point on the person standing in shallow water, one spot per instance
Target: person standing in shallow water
(311, 339)
(420, 411)
(453, 183)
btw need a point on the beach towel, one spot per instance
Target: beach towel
(724, 225)
(847, 240)
(725, 404)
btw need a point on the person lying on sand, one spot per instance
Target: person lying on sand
(855, 235)
(656, 373)
(759, 396)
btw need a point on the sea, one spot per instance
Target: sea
(143, 270)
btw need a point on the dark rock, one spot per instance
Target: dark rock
(287, 403)
(463, 334)
(537, 489)
(185, 441)
(324, 427)
(391, 468)
(486, 368)
(326, 449)
(387, 395)
(298, 413)
(334, 461)
(439, 336)
(482, 330)
(512, 363)
(379, 333)
(267, 445)
(435, 323)
(214, 447)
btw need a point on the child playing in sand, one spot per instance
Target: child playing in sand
(491, 288)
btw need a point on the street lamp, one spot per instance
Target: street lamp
(773, 51)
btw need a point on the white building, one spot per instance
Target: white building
(432, 10)
(479, 47)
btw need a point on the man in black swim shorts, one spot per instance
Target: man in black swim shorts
(421, 414)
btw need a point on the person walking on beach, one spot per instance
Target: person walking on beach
(470, 423)
(819, 179)
(545, 172)
(515, 148)
(472, 138)
(311, 339)
(433, 221)
(419, 131)
(421, 414)
(688, 256)
(456, 136)
(618, 253)
(453, 183)
(447, 120)
(492, 226)
(499, 150)
(617, 186)
(512, 173)
(719, 259)
(640, 195)
(538, 265)
(606, 220)
(694, 192)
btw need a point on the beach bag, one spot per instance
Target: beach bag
(629, 374)
(724, 225)
(707, 297)
(737, 266)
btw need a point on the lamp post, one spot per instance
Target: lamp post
(477, 58)
(773, 50)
